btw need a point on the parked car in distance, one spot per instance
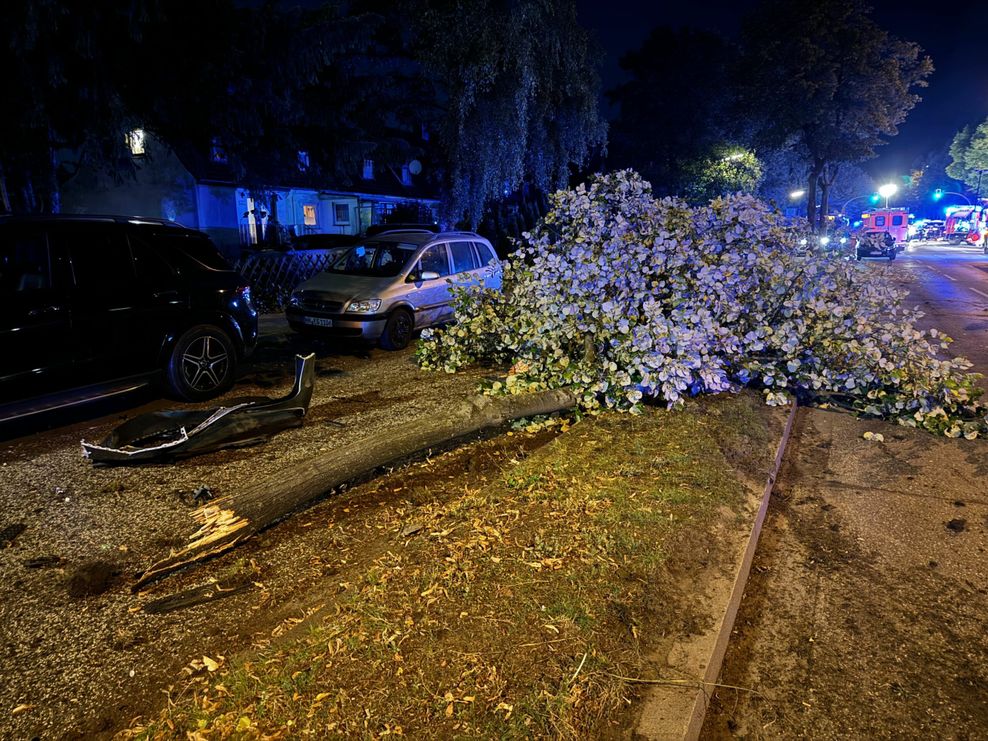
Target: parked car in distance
(390, 285)
(86, 300)
(875, 244)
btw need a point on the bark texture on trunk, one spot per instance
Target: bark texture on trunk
(229, 520)
(4, 194)
(811, 197)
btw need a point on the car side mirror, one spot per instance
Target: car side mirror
(428, 275)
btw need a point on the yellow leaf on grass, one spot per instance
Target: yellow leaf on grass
(243, 724)
(210, 664)
(23, 708)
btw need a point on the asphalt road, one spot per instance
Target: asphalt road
(864, 613)
(950, 284)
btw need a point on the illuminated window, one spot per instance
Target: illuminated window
(406, 175)
(879, 221)
(216, 151)
(341, 213)
(303, 160)
(368, 169)
(309, 214)
(135, 140)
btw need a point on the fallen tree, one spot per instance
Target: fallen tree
(229, 520)
(623, 298)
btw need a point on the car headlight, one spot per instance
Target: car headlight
(365, 307)
(295, 299)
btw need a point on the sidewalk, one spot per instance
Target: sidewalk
(865, 613)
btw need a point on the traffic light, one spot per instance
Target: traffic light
(874, 198)
(938, 194)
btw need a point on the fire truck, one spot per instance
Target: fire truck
(965, 224)
(895, 221)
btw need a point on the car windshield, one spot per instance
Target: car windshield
(378, 259)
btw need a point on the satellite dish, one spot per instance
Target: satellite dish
(415, 167)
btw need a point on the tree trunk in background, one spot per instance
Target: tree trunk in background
(53, 202)
(30, 202)
(811, 197)
(828, 176)
(4, 195)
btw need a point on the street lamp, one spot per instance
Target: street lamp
(887, 191)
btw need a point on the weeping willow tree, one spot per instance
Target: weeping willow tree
(516, 89)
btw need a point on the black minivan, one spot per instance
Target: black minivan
(85, 300)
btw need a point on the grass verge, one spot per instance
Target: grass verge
(509, 604)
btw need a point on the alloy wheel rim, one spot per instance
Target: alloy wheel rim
(204, 363)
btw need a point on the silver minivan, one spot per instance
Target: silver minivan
(387, 286)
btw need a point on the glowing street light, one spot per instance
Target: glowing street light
(797, 194)
(887, 191)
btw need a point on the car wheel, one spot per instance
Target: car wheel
(202, 364)
(398, 330)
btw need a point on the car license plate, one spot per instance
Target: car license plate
(317, 321)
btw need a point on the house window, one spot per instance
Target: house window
(406, 175)
(216, 152)
(368, 169)
(303, 160)
(309, 214)
(341, 213)
(135, 141)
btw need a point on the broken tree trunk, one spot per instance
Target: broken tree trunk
(226, 521)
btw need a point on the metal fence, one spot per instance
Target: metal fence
(273, 275)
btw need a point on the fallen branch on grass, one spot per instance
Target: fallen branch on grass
(226, 521)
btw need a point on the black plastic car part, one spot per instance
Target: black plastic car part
(174, 433)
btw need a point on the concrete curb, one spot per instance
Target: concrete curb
(702, 697)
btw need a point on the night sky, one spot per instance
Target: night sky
(954, 35)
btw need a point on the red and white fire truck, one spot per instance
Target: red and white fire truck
(895, 221)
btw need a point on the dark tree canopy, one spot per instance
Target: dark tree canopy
(675, 111)
(517, 85)
(60, 92)
(489, 94)
(969, 157)
(822, 76)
